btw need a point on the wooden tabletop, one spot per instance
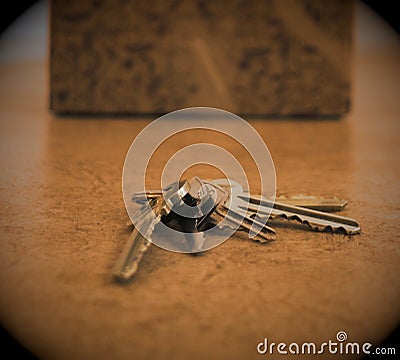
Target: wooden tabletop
(63, 224)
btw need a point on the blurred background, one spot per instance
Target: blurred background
(385, 8)
(292, 59)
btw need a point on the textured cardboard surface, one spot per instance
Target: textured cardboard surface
(250, 57)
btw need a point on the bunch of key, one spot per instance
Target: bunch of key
(225, 203)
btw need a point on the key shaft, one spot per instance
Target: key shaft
(145, 219)
(313, 202)
(265, 233)
(128, 262)
(316, 220)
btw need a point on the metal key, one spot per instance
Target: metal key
(186, 215)
(293, 208)
(229, 209)
(225, 207)
(137, 244)
(210, 205)
(128, 262)
(316, 220)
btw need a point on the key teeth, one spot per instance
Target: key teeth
(319, 228)
(329, 228)
(124, 276)
(129, 272)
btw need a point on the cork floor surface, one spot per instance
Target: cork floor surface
(63, 224)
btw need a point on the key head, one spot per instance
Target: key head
(149, 214)
(196, 211)
(235, 207)
(197, 205)
(174, 195)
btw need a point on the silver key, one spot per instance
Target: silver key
(316, 220)
(229, 208)
(293, 208)
(137, 244)
(128, 262)
(264, 233)
(225, 207)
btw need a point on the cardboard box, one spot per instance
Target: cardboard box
(277, 57)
